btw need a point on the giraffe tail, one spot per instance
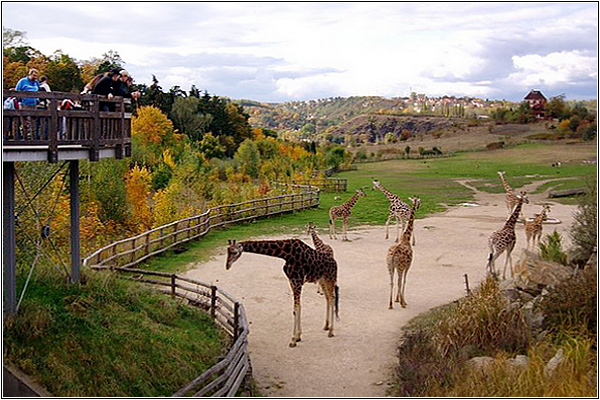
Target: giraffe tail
(337, 299)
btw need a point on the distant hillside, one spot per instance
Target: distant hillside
(366, 119)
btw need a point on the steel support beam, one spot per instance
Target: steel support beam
(8, 238)
(75, 235)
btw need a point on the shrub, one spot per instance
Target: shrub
(572, 305)
(584, 231)
(551, 249)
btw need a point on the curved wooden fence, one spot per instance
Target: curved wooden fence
(131, 251)
(224, 378)
(326, 184)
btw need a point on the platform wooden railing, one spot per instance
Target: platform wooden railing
(131, 251)
(225, 378)
(47, 126)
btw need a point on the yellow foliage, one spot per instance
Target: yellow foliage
(152, 125)
(168, 158)
(292, 151)
(137, 186)
(257, 133)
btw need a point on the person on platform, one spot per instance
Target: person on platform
(29, 83)
(107, 86)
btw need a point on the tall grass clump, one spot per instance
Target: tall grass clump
(108, 338)
(551, 249)
(479, 324)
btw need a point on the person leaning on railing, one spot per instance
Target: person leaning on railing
(107, 86)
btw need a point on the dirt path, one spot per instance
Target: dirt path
(359, 360)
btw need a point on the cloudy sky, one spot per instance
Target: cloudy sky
(283, 51)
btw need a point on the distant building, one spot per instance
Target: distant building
(537, 101)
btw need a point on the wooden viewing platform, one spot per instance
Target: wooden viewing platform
(49, 132)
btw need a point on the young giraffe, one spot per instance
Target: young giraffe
(511, 198)
(302, 264)
(399, 257)
(533, 229)
(320, 246)
(398, 210)
(505, 239)
(343, 211)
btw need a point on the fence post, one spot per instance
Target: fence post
(236, 320)
(467, 284)
(213, 301)
(173, 284)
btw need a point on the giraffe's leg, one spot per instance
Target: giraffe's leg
(387, 227)
(509, 250)
(398, 228)
(297, 332)
(345, 229)
(328, 287)
(332, 228)
(399, 292)
(494, 254)
(402, 298)
(391, 268)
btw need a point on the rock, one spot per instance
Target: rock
(532, 274)
(554, 362)
(480, 362)
(520, 362)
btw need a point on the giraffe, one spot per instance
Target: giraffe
(343, 211)
(399, 257)
(320, 246)
(302, 264)
(533, 229)
(398, 210)
(511, 198)
(505, 238)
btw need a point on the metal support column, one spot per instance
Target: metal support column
(75, 235)
(8, 239)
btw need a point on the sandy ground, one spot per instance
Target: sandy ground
(359, 360)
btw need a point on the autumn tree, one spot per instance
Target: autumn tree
(63, 73)
(151, 133)
(138, 185)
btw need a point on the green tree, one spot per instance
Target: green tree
(188, 119)
(249, 158)
(109, 61)
(63, 73)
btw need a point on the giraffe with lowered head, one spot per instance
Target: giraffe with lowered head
(533, 229)
(302, 264)
(343, 211)
(398, 210)
(399, 258)
(511, 197)
(505, 238)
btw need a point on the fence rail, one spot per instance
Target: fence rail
(224, 378)
(326, 184)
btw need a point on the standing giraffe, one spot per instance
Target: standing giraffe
(398, 210)
(511, 198)
(343, 211)
(302, 264)
(533, 229)
(399, 257)
(505, 238)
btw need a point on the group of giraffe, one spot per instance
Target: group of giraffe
(505, 238)
(305, 264)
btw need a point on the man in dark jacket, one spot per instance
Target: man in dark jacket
(107, 86)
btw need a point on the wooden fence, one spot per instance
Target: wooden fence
(326, 184)
(224, 378)
(131, 251)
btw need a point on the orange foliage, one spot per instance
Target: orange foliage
(292, 151)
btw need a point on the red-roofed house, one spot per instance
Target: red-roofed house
(537, 102)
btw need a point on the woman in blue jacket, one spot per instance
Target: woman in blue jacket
(30, 84)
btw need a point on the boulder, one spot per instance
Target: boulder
(554, 363)
(532, 274)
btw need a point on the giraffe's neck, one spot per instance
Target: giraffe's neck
(273, 248)
(319, 244)
(505, 184)
(541, 216)
(512, 220)
(391, 196)
(409, 226)
(350, 203)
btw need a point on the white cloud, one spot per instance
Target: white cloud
(554, 69)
